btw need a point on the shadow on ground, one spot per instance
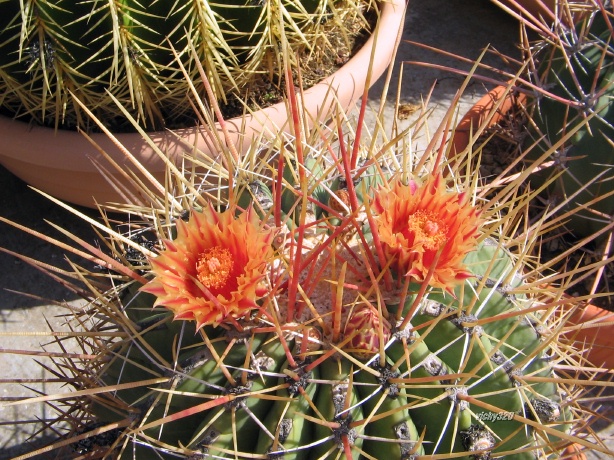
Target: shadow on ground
(21, 204)
(459, 27)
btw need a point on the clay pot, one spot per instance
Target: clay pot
(573, 452)
(595, 334)
(67, 165)
(487, 111)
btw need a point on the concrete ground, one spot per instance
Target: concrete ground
(464, 27)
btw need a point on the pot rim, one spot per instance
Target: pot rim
(20, 151)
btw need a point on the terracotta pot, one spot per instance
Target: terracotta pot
(573, 452)
(64, 164)
(597, 333)
(488, 111)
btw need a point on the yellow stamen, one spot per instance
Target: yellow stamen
(214, 266)
(428, 229)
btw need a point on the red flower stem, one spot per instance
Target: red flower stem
(189, 411)
(338, 305)
(294, 276)
(278, 188)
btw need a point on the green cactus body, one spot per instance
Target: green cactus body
(578, 68)
(460, 375)
(285, 423)
(53, 52)
(233, 427)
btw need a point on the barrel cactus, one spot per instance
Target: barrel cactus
(110, 54)
(573, 115)
(324, 362)
(325, 300)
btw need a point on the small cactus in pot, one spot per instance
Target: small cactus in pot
(57, 56)
(325, 299)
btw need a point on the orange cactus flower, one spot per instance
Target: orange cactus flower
(422, 225)
(213, 271)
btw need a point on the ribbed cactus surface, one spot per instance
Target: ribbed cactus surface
(391, 333)
(575, 119)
